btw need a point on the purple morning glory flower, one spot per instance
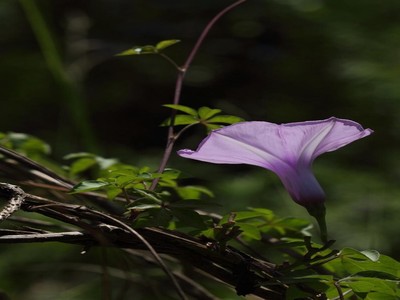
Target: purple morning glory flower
(286, 149)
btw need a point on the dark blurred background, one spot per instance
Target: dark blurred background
(273, 60)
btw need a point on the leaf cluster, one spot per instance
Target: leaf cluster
(171, 205)
(307, 269)
(26, 144)
(349, 273)
(209, 117)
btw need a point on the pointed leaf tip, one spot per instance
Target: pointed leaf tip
(205, 112)
(88, 185)
(183, 108)
(165, 44)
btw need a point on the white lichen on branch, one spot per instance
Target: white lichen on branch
(16, 197)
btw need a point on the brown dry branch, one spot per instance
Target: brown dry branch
(101, 230)
(104, 226)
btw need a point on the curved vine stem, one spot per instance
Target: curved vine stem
(150, 248)
(339, 290)
(171, 61)
(178, 86)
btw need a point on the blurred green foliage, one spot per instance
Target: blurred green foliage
(279, 61)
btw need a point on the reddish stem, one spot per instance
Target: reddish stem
(178, 87)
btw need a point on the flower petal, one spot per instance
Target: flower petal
(286, 149)
(302, 186)
(326, 135)
(264, 144)
(253, 143)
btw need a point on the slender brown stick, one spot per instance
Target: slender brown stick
(150, 248)
(339, 289)
(206, 30)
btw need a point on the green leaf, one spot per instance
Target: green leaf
(188, 218)
(290, 223)
(139, 50)
(122, 172)
(313, 281)
(113, 192)
(369, 284)
(26, 144)
(380, 296)
(332, 292)
(264, 211)
(123, 180)
(211, 127)
(295, 293)
(249, 230)
(148, 195)
(154, 217)
(148, 49)
(127, 52)
(162, 217)
(267, 213)
(193, 192)
(354, 262)
(205, 112)
(290, 276)
(181, 120)
(105, 163)
(183, 108)
(165, 44)
(33, 146)
(86, 160)
(78, 155)
(225, 232)
(242, 215)
(377, 274)
(225, 119)
(88, 185)
(81, 165)
(147, 176)
(170, 174)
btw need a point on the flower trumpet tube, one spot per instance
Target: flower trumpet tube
(288, 150)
